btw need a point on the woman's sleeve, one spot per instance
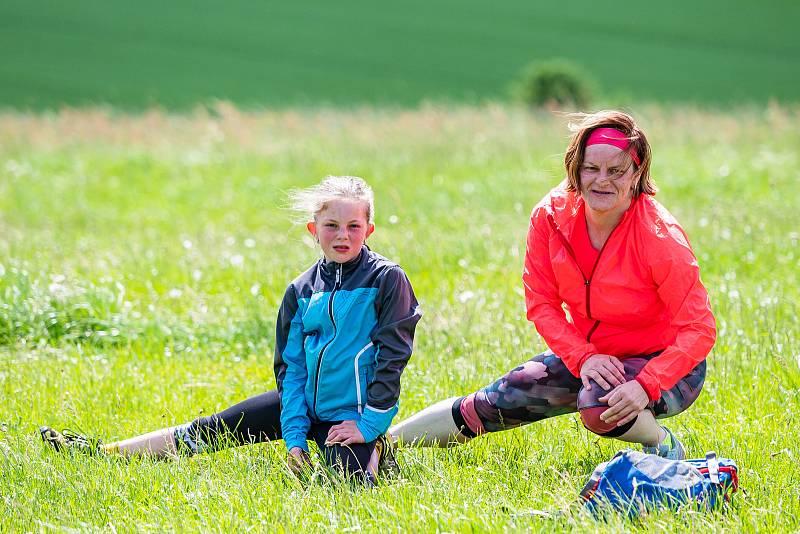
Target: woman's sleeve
(675, 271)
(397, 315)
(291, 373)
(544, 306)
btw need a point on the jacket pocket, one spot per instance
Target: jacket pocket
(364, 376)
(361, 371)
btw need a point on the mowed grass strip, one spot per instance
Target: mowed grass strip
(357, 52)
(142, 259)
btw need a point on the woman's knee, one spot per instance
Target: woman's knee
(590, 417)
(591, 408)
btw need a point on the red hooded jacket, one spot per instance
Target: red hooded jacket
(643, 295)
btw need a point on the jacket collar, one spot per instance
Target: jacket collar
(329, 268)
(565, 206)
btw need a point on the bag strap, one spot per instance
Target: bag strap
(713, 467)
(591, 484)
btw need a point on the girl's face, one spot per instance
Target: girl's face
(341, 228)
(607, 179)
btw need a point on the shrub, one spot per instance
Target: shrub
(553, 84)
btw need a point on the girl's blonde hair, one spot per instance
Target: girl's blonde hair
(312, 200)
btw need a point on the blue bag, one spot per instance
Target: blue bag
(633, 482)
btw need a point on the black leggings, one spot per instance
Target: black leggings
(257, 420)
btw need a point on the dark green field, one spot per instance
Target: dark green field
(179, 54)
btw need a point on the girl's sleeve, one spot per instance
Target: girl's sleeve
(291, 373)
(544, 306)
(675, 271)
(397, 315)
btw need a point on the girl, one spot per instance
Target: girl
(344, 335)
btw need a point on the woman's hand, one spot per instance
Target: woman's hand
(625, 403)
(606, 370)
(345, 433)
(298, 459)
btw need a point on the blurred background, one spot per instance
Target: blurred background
(177, 55)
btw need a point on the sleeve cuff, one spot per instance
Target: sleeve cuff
(575, 362)
(583, 359)
(650, 386)
(375, 422)
(291, 443)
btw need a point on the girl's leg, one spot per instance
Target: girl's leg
(540, 388)
(355, 461)
(159, 443)
(254, 420)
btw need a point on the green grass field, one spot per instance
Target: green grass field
(353, 52)
(142, 259)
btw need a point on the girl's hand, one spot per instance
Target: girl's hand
(625, 403)
(298, 459)
(606, 370)
(345, 433)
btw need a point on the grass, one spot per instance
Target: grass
(353, 52)
(142, 258)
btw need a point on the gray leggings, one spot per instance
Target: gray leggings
(543, 387)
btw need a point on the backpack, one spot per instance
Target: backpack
(633, 482)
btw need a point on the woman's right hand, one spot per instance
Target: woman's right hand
(604, 369)
(298, 459)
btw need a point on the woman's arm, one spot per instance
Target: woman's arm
(291, 373)
(677, 275)
(544, 306)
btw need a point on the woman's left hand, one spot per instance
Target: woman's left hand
(345, 433)
(625, 402)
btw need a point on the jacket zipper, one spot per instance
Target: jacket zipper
(587, 282)
(336, 286)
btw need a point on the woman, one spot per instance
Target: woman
(638, 326)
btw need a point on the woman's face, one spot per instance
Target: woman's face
(341, 228)
(608, 179)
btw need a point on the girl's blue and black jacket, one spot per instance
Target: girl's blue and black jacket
(344, 335)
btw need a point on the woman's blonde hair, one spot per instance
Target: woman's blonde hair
(584, 124)
(312, 200)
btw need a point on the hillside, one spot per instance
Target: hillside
(278, 54)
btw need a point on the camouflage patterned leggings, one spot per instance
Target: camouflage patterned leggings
(543, 387)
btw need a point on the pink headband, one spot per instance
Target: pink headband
(613, 137)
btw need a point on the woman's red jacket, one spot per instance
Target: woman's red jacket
(644, 294)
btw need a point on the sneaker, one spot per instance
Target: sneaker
(68, 440)
(387, 459)
(670, 448)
